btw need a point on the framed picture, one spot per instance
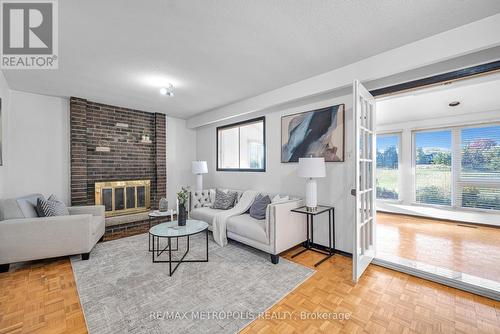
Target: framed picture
(1, 134)
(316, 133)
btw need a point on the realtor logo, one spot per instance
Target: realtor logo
(29, 35)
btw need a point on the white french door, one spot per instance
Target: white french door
(365, 151)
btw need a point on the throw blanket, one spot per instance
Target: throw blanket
(219, 221)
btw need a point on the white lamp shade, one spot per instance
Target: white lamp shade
(199, 167)
(311, 167)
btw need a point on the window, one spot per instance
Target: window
(241, 146)
(433, 167)
(388, 166)
(479, 180)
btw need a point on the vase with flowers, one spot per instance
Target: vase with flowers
(182, 200)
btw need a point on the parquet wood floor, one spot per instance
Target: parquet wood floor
(41, 297)
(474, 250)
(383, 301)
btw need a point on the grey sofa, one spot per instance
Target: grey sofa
(24, 236)
(281, 230)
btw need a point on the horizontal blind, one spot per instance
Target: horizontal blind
(433, 179)
(479, 167)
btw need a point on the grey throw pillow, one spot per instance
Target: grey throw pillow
(259, 207)
(27, 205)
(224, 201)
(51, 207)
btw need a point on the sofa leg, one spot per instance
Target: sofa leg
(275, 258)
(4, 267)
(85, 256)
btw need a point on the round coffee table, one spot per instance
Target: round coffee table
(171, 230)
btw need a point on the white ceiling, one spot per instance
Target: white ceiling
(475, 95)
(217, 52)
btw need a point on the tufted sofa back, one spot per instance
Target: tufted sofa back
(202, 198)
(206, 197)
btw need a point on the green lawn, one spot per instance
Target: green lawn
(387, 178)
(431, 181)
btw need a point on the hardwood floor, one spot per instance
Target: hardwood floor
(41, 297)
(474, 250)
(383, 301)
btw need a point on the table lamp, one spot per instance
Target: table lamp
(311, 168)
(199, 168)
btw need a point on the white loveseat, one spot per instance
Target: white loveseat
(24, 236)
(281, 230)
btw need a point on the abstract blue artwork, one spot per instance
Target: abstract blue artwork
(316, 133)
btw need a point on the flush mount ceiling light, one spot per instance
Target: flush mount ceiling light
(454, 103)
(168, 91)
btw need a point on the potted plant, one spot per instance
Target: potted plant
(182, 199)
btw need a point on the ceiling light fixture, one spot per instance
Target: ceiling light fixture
(168, 91)
(454, 103)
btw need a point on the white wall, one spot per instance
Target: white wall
(36, 147)
(5, 96)
(281, 177)
(181, 151)
(37, 158)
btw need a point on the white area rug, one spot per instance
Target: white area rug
(122, 291)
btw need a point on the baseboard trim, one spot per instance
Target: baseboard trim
(461, 281)
(443, 220)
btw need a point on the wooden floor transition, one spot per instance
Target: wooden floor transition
(41, 297)
(470, 249)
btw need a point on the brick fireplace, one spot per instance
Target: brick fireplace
(110, 143)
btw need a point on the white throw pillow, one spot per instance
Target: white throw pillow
(278, 199)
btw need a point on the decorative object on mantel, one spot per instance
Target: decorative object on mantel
(122, 125)
(103, 149)
(311, 168)
(182, 199)
(163, 205)
(199, 168)
(145, 139)
(317, 133)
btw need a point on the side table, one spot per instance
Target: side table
(309, 243)
(157, 214)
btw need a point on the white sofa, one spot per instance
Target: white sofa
(24, 236)
(281, 230)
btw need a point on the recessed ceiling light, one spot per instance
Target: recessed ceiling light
(163, 91)
(454, 103)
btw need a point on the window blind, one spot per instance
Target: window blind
(433, 177)
(479, 167)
